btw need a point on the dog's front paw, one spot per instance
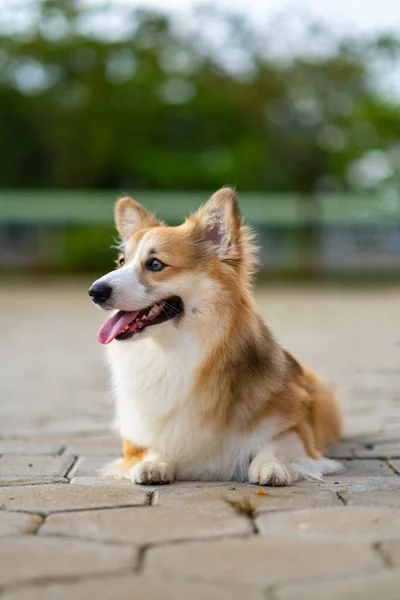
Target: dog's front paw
(268, 472)
(152, 471)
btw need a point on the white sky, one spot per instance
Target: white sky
(354, 15)
(341, 16)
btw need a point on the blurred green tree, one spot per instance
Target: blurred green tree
(165, 107)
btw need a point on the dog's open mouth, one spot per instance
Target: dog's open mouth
(124, 325)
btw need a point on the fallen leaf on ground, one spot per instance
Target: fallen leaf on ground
(242, 506)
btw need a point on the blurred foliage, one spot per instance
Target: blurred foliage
(191, 107)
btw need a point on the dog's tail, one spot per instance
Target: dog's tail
(326, 415)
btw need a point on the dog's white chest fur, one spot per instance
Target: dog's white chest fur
(155, 408)
(152, 383)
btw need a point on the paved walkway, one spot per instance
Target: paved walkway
(66, 533)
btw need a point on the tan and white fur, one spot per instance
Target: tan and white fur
(209, 395)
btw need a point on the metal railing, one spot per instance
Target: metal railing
(72, 230)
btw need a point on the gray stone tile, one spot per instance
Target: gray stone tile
(391, 436)
(344, 523)
(218, 498)
(378, 451)
(89, 466)
(383, 585)
(146, 525)
(45, 499)
(33, 466)
(22, 481)
(29, 447)
(103, 445)
(259, 560)
(104, 481)
(296, 499)
(366, 468)
(358, 474)
(389, 498)
(344, 449)
(395, 464)
(30, 558)
(139, 588)
(18, 523)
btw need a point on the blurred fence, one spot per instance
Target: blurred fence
(72, 231)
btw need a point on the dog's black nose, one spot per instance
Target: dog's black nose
(100, 292)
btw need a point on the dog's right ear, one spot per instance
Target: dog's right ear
(130, 216)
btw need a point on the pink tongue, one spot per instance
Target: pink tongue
(114, 325)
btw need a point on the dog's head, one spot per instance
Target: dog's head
(186, 276)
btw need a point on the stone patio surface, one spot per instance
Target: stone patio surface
(66, 533)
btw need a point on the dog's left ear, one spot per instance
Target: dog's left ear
(130, 216)
(219, 222)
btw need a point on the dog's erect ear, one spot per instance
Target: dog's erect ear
(219, 222)
(131, 216)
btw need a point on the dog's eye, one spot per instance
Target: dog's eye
(153, 264)
(121, 260)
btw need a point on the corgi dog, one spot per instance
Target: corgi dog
(203, 391)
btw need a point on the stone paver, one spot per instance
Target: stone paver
(29, 447)
(366, 468)
(100, 481)
(395, 465)
(385, 451)
(259, 560)
(218, 499)
(378, 497)
(34, 467)
(146, 525)
(358, 475)
(105, 445)
(15, 523)
(345, 449)
(54, 498)
(30, 558)
(139, 588)
(87, 466)
(66, 532)
(384, 585)
(342, 523)
(391, 551)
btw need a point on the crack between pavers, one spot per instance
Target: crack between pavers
(94, 508)
(90, 540)
(61, 450)
(40, 524)
(142, 548)
(253, 523)
(71, 466)
(67, 510)
(384, 556)
(269, 593)
(151, 497)
(50, 481)
(140, 560)
(391, 467)
(341, 497)
(383, 456)
(33, 583)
